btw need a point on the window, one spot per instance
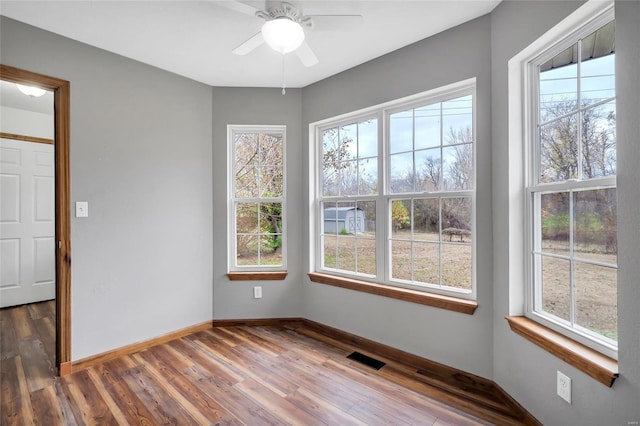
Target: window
(571, 186)
(257, 198)
(395, 193)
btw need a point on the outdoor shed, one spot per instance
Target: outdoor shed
(344, 219)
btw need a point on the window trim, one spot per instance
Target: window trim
(582, 22)
(584, 358)
(381, 112)
(232, 268)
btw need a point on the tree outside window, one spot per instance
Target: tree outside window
(572, 188)
(258, 195)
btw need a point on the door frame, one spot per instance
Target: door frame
(61, 101)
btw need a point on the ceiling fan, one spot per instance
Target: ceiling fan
(284, 28)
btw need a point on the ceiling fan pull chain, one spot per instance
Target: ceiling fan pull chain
(283, 85)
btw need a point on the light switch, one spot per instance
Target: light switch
(82, 209)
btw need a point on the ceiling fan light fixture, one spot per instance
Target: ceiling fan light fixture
(283, 34)
(34, 92)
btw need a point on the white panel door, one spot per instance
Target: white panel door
(27, 222)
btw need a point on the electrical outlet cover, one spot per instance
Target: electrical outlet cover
(564, 387)
(257, 292)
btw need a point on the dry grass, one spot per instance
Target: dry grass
(595, 289)
(595, 286)
(358, 254)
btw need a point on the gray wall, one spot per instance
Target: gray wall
(234, 299)
(524, 370)
(141, 157)
(440, 335)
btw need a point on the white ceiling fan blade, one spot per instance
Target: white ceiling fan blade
(306, 55)
(335, 22)
(238, 6)
(249, 45)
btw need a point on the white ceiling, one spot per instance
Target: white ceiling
(195, 38)
(10, 96)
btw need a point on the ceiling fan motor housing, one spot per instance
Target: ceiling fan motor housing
(285, 11)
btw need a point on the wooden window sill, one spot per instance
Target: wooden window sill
(429, 299)
(257, 276)
(591, 362)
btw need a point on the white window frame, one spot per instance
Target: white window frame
(233, 129)
(523, 81)
(383, 199)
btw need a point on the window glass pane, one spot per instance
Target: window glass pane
(427, 126)
(247, 181)
(334, 154)
(247, 250)
(555, 217)
(402, 175)
(246, 149)
(346, 252)
(348, 178)
(367, 213)
(368, 176)
(426, 263)
(596, 298)
(595, 225)
(414, 169)
(349, 139)
(401, 131)
(597, 81)
(426, 219)
(559, 150)
(556, 291)
(366, 251)
(457, 118)
(401, 260)
(271, 149)
(457, 164)
(247, 218)
(368, 138)
(271, 182)
(339, 218)
(329, 181)
(366, 233)
(257, 173)
(401, 219)
(574, 278)
(329, 218)
(329, 251)
(456, 265)
(599, 141)
(456, 219)
(270, 218)
(559, 84)
(597, 70)
(428, 170)
(271, 250)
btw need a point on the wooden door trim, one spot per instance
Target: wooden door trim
(25, 138)
(61, 96)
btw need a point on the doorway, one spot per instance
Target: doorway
(61, 241)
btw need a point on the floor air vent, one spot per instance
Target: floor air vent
(366, 360)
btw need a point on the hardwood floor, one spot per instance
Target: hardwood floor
(225, 375)
(27, 357)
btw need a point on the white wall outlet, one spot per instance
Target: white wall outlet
(257, 292)
(82, 209)
(564, 387)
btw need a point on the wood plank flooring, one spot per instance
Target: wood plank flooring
(27, 360)
(269, 375)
